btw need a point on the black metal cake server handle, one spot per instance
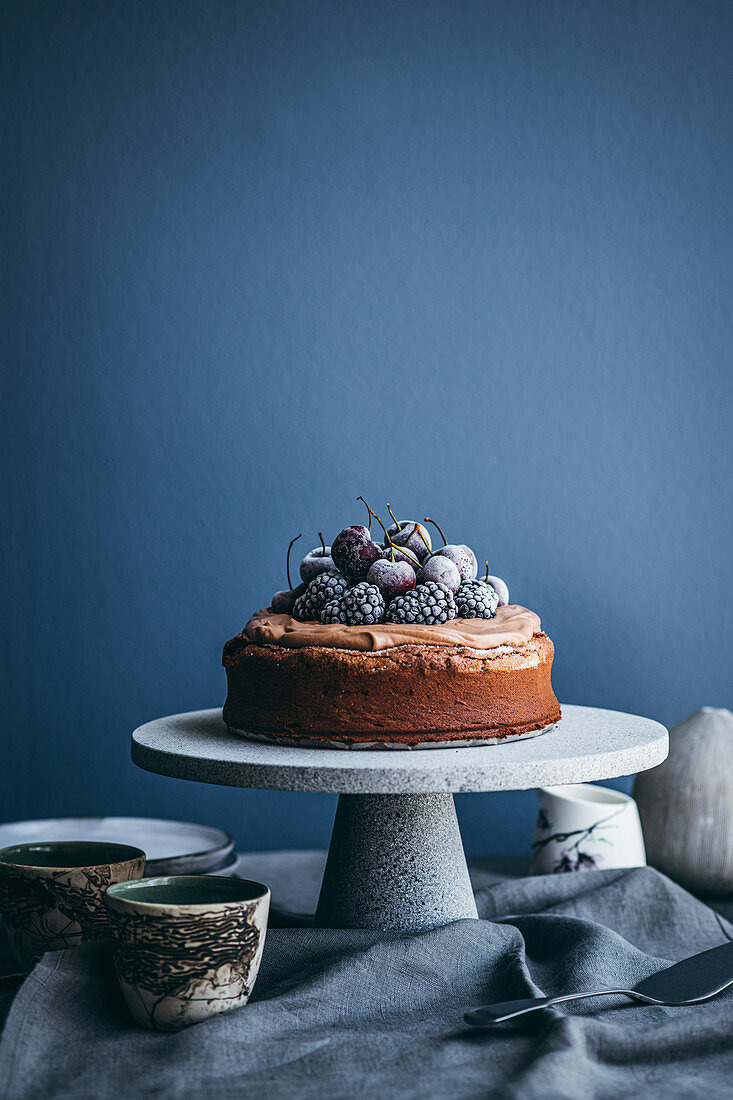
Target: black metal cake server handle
(684, 983)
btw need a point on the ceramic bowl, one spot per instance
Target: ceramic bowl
(583, 827)
(52, 895)
(187, 947)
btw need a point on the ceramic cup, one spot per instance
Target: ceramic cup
(52, 895)
(187, 946)
(581, 827)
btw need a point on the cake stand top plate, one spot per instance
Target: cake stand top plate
(586, 744)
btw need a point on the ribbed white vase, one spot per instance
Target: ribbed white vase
(686, 804)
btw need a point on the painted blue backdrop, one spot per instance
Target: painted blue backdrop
(470, 258)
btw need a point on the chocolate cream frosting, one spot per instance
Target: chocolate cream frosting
(512, 626)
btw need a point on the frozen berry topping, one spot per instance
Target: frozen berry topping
(427, 603)
(359, 581)
(321, 590)
(362, 605)
(463, 558)
(412, 535)
(353, 552)
(282, 602)
(500, 588)
(392, 578)
(316, 561)
(443, 571)
(476, 600)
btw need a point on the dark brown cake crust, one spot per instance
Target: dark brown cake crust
(409, 694)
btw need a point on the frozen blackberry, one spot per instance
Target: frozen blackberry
(333, 613)
(476, 600)
(362, 605)
(303, 608)
(321, 590)
(327, 587)
(428, 603)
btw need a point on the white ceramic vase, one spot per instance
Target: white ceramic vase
(582, 827)
(686, 804)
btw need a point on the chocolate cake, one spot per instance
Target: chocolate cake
(469, 680)
(424, 655)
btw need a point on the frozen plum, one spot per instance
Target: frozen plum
(282, 602)
(353, 552)
(463, 558)
(412, 535)
(442, 571)
(392, 578)
(316, 561)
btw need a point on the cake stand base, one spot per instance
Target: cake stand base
(395, 861)
(396, 858)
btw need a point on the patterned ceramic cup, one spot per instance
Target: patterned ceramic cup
(583, 827)
(52, 895)
(187, 946)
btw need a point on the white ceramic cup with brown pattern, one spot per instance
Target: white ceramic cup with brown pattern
(52, 894)
(187, 947)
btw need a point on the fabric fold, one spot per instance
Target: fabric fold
(336, 1012)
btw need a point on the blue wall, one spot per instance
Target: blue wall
(471, 258)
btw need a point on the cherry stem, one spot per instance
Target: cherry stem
(287, 561)
(412, 557)
(487, 572)
(418, 528)
(381, 525)
(369, 512)
(397, 523)
(440, 529)
(421, 533)
(392, 545)
(323, 542)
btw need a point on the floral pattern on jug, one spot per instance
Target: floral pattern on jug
(582, 827)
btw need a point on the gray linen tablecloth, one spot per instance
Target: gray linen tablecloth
(358, 1013)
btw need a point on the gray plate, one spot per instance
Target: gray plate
(171, 847)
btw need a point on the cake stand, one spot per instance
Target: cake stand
(396, 858)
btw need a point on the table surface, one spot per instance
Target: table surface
(405, 995)
(587, 744)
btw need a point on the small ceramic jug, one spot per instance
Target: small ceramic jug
(686, 804)
(581, 827)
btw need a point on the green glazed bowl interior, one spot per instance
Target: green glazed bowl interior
(68, 854)
(204, 890)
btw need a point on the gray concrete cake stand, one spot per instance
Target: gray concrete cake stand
(396, 858)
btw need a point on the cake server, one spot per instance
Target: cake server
(684, 983)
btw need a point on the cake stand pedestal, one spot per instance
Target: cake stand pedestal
(396, 858)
